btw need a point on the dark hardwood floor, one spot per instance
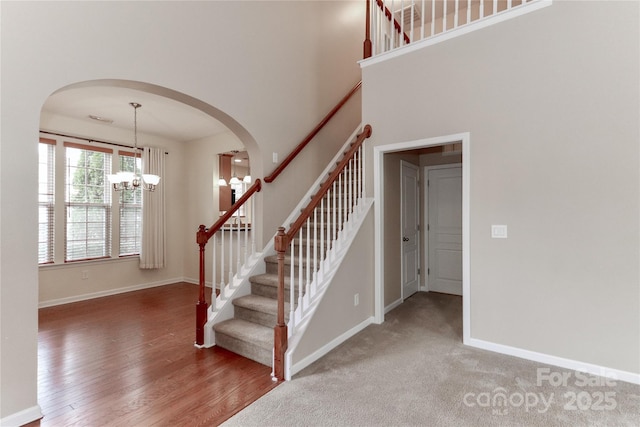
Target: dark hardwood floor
(129, 360)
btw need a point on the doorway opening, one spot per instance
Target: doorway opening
(441, 154)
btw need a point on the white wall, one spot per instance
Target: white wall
(552, 107)
(270, 70)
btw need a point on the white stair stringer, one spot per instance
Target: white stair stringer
(239, 287)
(298, 326)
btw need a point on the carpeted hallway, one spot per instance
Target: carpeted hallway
(414, 370)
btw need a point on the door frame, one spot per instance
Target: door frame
(418, 220)
(425, 172)
(378, 186)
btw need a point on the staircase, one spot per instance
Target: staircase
(250, 332)
(297, 266)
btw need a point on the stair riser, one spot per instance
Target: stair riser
(243, 348)
(264, 319)
(269, 291)
(272, 267)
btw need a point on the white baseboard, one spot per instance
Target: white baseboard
(393, 305)
(197, 282)
(297, 367)
(21, 418)
(84, 297)
(561, 362)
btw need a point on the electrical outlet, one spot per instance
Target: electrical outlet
(85, 274)
(356, 300)
(498, 231)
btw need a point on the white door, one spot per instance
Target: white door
(410, 227)
(444, 213)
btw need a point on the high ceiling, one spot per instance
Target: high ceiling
(158, 115)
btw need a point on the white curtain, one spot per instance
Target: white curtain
(153, 249)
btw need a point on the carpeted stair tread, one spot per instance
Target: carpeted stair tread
(269, 280)
(258, 309)
(247, 339)
(259, 303)
(273, 259)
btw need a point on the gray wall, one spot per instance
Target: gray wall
(551, 101)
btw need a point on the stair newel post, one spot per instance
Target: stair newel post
(201, 306)
(367, 40)
(280, 330)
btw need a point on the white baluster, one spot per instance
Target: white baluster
(481, 9)
(334, 213)
(246, 231)
(292, 288)
(238, 263)
(411, 26)
(300, 289)
(455, 15)
(222, 295)
(422, 19)
(509, 4)
(308, 260)
(347, 192)
(356, 174)
(230, 257)
(253, 231)
(315, 244)
(433, 17)
(495, 6)
(392, 31)
(214, 275)
(324, 231)
(363, 174)
(468, 11)
(345, 196)
(444, 16)
(401, 22)
(339, 207)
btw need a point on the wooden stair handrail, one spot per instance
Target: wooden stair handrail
(270, 178)
(368, 48)
(202, 237)
(281, 242)
(209, 232)
(315, 200)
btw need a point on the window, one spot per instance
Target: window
(46, 185)
(88, 202)
(130, 208)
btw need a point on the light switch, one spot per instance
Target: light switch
(275, 157)
(498, 231)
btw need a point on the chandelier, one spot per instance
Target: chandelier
(132, 180)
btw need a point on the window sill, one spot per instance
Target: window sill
(89, 262)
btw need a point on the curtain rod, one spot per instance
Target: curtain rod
(91, 140)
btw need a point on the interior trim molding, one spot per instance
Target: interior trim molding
(297, 367)
(22, 417)
(393, 305)
(615, 374)
(84, 297)
(379, 222)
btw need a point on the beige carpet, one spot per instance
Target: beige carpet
(414, 370)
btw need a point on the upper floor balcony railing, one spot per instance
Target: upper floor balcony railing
(393, 24)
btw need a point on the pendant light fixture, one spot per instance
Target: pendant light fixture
(234, 179)
(132, 180)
